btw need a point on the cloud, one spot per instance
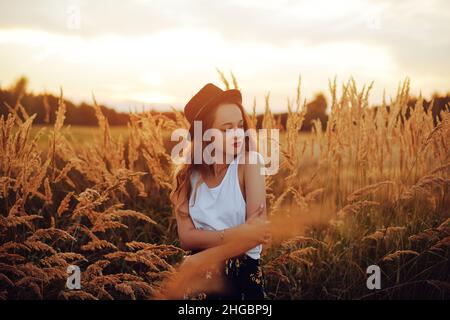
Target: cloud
(167, 49)
(413, 30)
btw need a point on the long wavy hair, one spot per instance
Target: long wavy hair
(182, 173)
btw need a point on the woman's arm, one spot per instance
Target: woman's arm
(254, 181)
(249, 234)
(195, 239)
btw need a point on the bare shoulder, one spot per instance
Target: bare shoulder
(254, 179)
(252, 162)
(181, 201)
(252, 158)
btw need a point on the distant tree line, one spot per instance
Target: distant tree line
(45, 106)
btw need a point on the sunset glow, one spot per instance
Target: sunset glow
(156, 53)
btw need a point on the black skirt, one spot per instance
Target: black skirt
(244, 280)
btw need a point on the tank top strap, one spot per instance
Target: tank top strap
(235, 166)
(238, 157)
(231, 174)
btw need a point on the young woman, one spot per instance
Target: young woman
(223, 201)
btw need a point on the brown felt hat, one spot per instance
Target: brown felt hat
(209, 96)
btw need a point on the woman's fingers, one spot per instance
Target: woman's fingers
(267, 238)
(264, 231)
(259, 209)
(255, 216)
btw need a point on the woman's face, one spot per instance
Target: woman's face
(231, 124)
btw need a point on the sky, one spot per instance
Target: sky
(156, 54)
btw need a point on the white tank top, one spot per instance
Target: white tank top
(222, 206)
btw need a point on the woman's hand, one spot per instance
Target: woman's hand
(257, 228)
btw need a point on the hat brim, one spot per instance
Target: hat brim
(232, 95)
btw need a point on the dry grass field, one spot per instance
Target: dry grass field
(373, 188)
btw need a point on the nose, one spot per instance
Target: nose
(237, 132)
(237, 129)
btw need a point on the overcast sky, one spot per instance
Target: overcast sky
(131, 53)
